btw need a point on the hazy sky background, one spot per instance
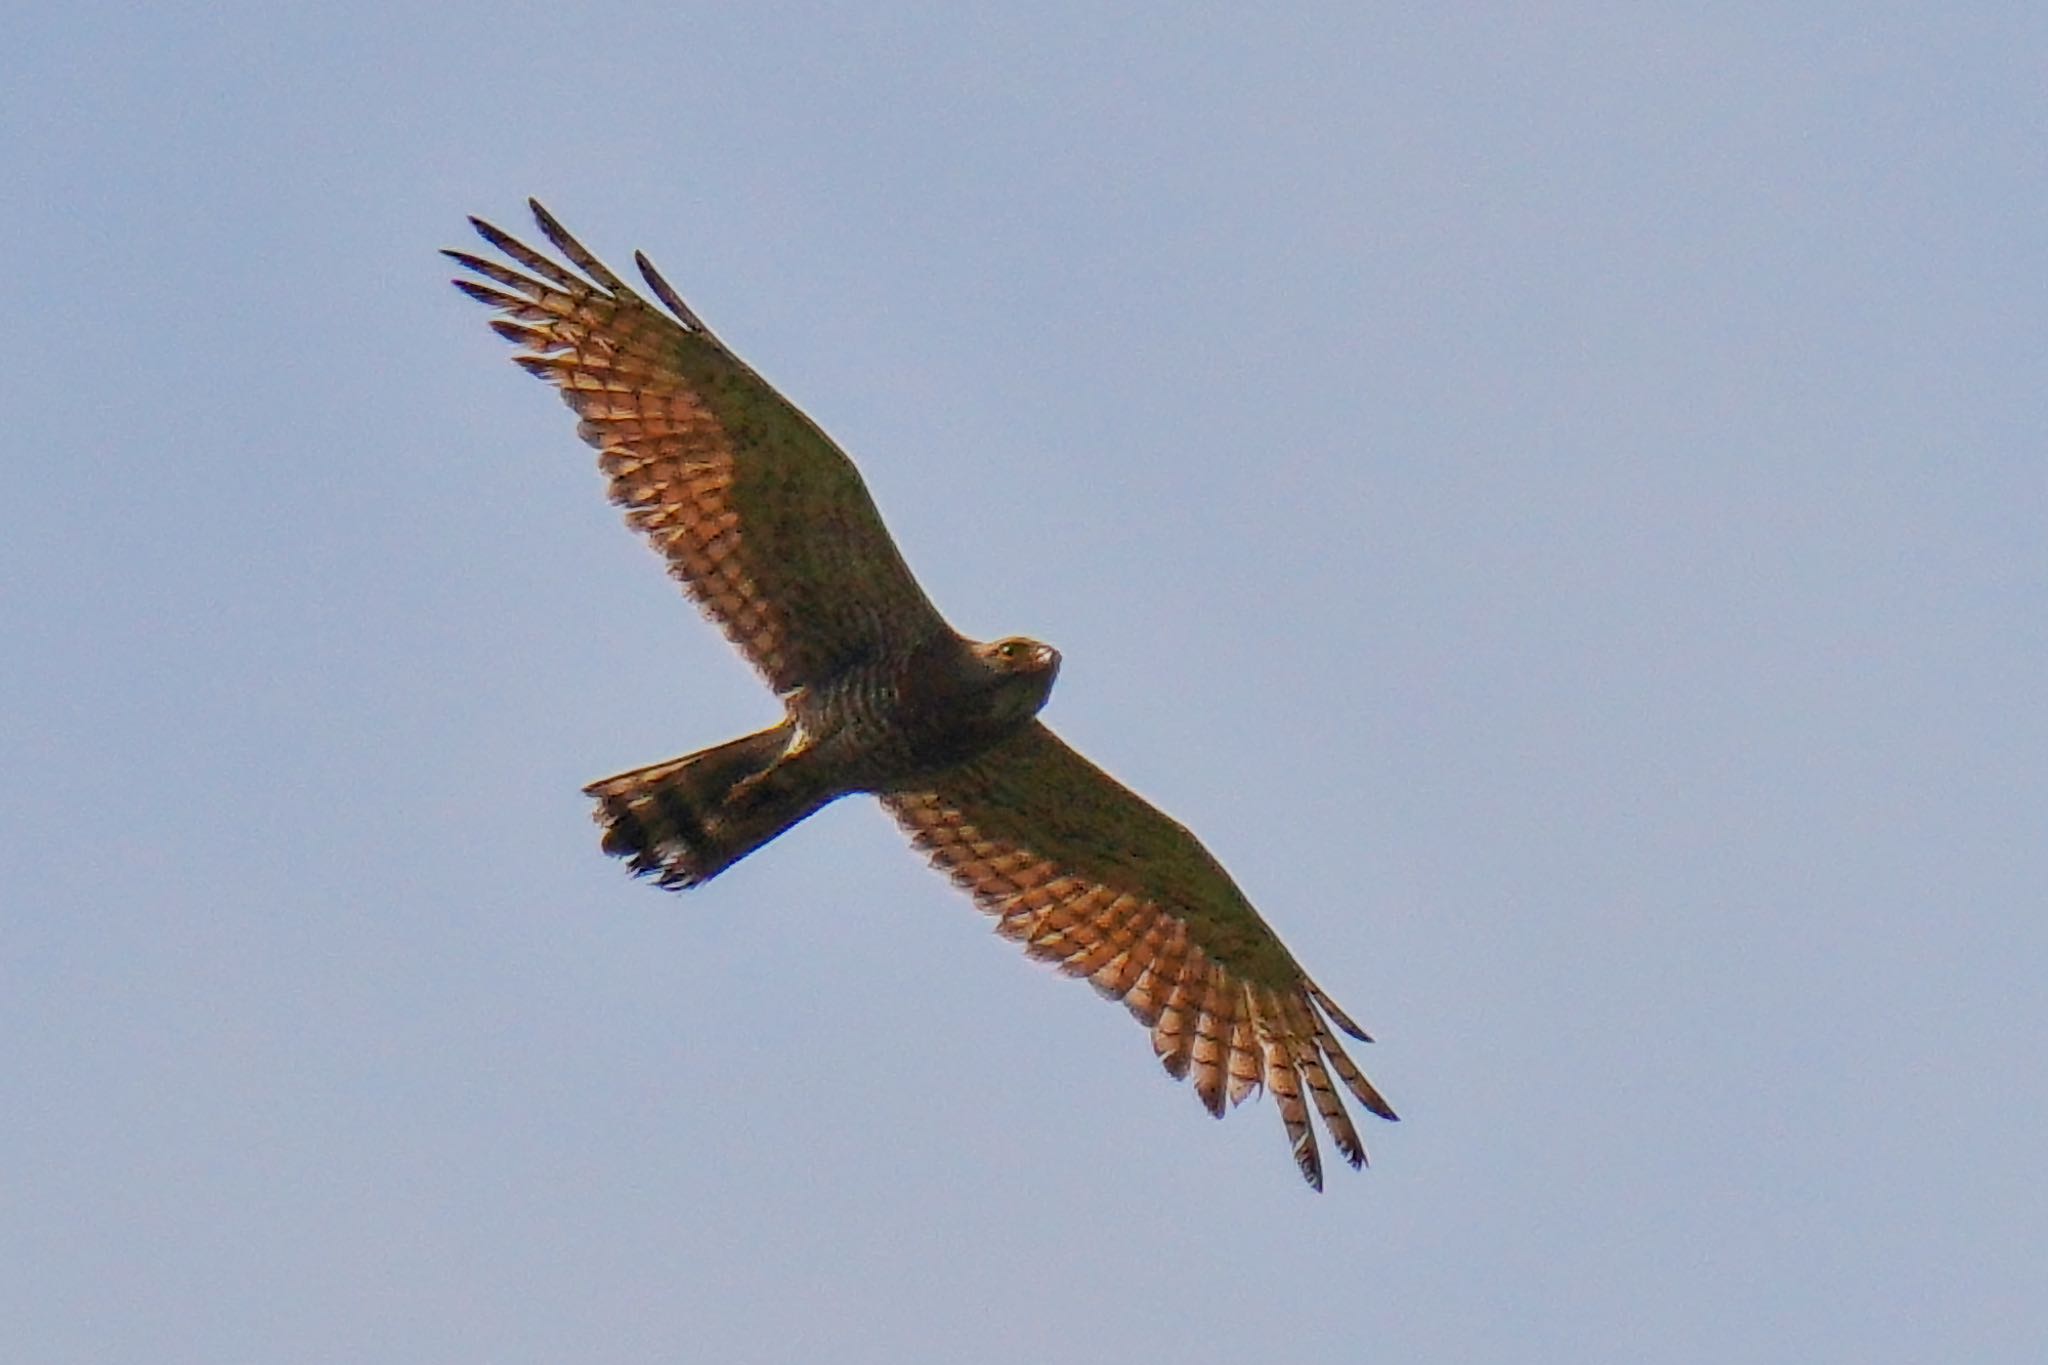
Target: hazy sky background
(1558, 503)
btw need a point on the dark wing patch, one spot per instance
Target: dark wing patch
(763, 520)
(1089, 876)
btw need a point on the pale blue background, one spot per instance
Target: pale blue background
(1558, 502)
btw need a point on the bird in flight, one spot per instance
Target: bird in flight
(766, 524)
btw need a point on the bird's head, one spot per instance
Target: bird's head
(1022, 672)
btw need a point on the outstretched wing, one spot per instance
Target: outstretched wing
(762, 518)
(1088, 875)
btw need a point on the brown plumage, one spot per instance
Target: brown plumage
(769, 528)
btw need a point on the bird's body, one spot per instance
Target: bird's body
(876, 725)
(768, 526)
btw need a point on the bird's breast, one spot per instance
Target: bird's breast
(887, 719)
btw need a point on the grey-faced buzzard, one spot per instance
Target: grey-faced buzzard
(766, 524)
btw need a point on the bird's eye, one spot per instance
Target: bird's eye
(1012, 649)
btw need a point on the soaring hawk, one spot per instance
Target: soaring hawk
(768, 527)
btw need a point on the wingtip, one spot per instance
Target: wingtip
(487, 297)
(1337, 1016)
(549, 224)
(664, 291)
(492, 233)
(579, 255)
(516, 334)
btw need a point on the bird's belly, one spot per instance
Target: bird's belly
(872, 738)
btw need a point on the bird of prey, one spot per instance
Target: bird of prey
(766, 524)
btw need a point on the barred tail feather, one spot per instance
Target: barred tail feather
(684, 821)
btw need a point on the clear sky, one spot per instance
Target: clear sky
(1558, 504)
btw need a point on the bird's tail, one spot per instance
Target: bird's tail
(685, 821)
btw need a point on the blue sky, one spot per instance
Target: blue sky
(1557, 504)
